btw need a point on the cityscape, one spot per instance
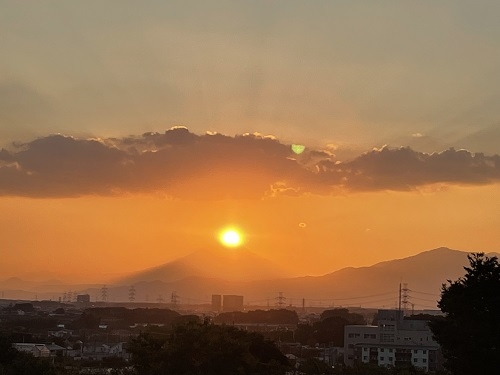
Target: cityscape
(283, 187)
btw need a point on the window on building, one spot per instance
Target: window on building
(424, 351)
(386, 337)
(381, 358)
(365, 358)
(424, 360)
(382, 350)
(390, 359)
(390, 350)
(350, 346)
(415, 359)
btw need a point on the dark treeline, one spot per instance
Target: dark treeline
(329, 330)
(121, 317)
(206, 349)
(13, 362)
(280, 316)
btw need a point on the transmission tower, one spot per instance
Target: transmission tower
(70, 296)
(104, 293)
(65, 296)
(131, 294)
(280, 300)
(160, 299)
(174, 298)
(405, 297)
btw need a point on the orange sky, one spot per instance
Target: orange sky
(98, 238)
(97, 178)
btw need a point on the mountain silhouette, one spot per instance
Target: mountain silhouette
(378, 284)
(232, 264)
(197, 276)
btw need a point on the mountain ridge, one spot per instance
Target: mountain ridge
(424, 273)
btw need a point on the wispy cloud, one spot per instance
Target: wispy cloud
(185, 165)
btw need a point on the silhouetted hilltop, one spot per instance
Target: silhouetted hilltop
(217, 262)
(197, 276)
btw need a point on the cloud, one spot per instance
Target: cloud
(406, 169)
(181, 164)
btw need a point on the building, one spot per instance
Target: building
(83, 298)
(393, 342)
(216, 302)
(98, 351)
(232, 303)
(36, 350)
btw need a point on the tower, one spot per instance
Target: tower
(280, 300)
(131, 294)
(104, 293)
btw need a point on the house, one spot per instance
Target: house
(37, 350)
(98, 351)
(56, 350)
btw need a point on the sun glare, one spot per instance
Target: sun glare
(230, 238)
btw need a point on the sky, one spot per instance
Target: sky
(132, 132)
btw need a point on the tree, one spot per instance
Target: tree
(351, 318)
(207, 349)
(469, 334)
(13, 362)
(330, 329)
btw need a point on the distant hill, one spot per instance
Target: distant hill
(378, 285)
(238, 264)
(374, 286)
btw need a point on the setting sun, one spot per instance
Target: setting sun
(230, 238)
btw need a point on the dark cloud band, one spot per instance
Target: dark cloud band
(181, 164)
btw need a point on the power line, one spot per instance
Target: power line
(423, 299)
(429, 294)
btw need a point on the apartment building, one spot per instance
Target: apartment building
(393, 342)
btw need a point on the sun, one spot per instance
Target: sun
(230, 238)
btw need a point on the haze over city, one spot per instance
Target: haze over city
(132, 135)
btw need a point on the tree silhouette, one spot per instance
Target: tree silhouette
(469, 334)
(206, 349)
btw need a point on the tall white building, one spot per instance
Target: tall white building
(394, 341)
